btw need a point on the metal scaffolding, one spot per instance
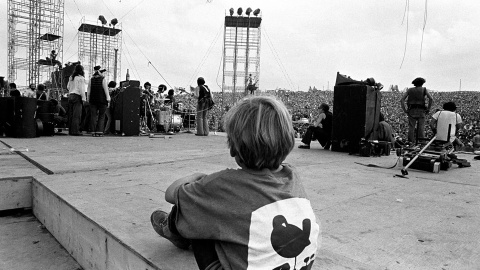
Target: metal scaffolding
(99, 45)
(35, 28)
(241, 54)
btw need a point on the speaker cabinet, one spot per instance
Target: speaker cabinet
(126, 111)
(356, 112)
(6, 116)
(19, 116)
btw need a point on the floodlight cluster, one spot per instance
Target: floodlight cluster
(247, 12)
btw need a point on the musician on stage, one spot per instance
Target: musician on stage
(160, 95)
(29, 92)
(13, 90)
(170, 98)
(146, 103)
(41, 94)
(108, 113)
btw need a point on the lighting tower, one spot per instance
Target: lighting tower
(99, 44)
(35, 28)
(241, 51)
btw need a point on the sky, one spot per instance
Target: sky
(304, 43)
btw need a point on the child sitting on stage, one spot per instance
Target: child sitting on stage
(256, 216)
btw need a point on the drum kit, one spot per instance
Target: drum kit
(166, 118)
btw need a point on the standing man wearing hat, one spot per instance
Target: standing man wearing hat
(416, 109)
(99, 99)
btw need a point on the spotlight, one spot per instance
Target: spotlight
(239, 11)
(102, 19)
(231, 11)
(256, 12)
(114, 22)
(249, 10)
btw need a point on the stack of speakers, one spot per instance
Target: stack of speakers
(45, 115)
(356, 112)
(126, 109)
(17, 117)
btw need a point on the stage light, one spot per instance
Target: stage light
(239, 11)
(256, 12)
(231, 11)
(249, 10)
(102, 19)
(114, 22)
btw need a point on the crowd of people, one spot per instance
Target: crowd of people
(304, 105)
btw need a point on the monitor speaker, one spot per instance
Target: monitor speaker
(356, 112)
(126, 111)
(19, 119)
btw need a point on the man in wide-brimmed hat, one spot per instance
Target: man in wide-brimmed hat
(416, 109)
(99, 99)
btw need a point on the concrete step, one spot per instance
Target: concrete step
(27, 244)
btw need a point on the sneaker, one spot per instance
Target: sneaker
(304, 146)
(159, 221)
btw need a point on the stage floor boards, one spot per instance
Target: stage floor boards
(369, 218)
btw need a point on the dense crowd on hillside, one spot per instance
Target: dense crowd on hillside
(304, 105)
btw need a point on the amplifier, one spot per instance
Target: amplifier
(126, 111)
(356, 112)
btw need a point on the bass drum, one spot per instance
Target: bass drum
(167, 121)
(176, 122)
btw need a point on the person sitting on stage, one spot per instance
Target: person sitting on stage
(476, 140)
(227, 216)
(442, 120)
(41, 94)
(13, 90)
(170, 98)
(321, 128)
(385, 131)
(59, 113)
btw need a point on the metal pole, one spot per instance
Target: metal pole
(115, 66)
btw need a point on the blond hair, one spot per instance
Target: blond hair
(260, 132)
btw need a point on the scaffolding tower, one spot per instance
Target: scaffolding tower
(99, 45)
(241, 54)
(35, 28)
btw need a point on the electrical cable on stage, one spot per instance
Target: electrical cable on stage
(150, 62)
(131, 9)
(202, 62)
(133, 63)
(277, 58)
(423, 30)
(407, 10)
(78, 8)
(109, 9)
(73, 39)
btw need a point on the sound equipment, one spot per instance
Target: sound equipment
(45, 118)
(62, 76)
(126, 111)
(6, 115)
(19, 116)
(356, 113)
(45, 111)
